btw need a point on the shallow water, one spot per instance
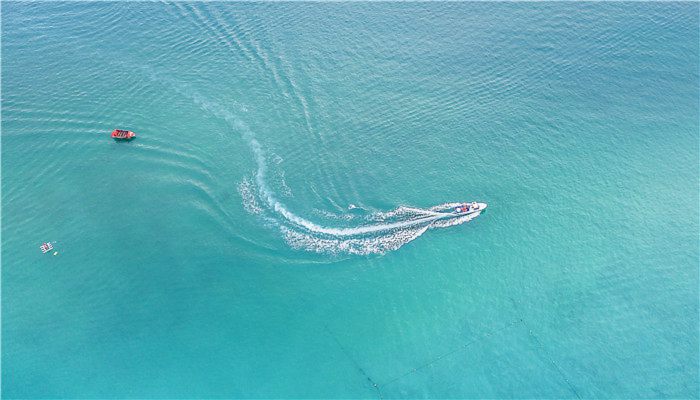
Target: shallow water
(275, 229)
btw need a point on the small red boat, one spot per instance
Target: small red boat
(120, 134)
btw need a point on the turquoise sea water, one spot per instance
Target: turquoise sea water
(268, 234)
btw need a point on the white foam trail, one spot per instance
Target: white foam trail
(250, 203)
(361, 246)
(364, 239)
(279, 207)
(404, 224)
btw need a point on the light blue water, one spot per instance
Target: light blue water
(272, 232)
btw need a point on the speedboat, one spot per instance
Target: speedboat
(120, 134)
(470, 208)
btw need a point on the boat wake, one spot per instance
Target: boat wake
(377, 233)
(373, 238)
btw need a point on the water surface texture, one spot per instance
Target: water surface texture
(277, 229)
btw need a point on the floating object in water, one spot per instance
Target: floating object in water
(55, 253)
(120, 134)
(46, 247)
